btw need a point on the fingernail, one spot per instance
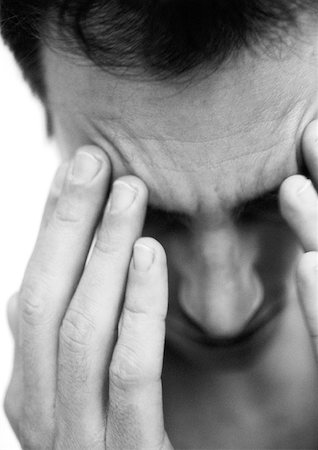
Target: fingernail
(304, 187)
(85, 168)
(122, 197)
(143, 257)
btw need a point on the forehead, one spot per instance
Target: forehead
(216, 139)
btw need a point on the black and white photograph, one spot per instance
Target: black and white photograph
(159, 224)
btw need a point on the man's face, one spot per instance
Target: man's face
(202, 147)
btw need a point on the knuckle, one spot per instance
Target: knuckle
(126, 370)
(33, 303)
(77, 330)
(142, 312)
(68, 211)
(108, 242)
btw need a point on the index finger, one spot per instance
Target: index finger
(52, 276)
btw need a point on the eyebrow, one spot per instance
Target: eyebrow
(264, 202)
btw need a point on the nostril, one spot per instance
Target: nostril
(222, 312)
(264, 316)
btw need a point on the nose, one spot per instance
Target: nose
(219, 286)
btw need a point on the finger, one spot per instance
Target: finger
(135, 412)
(307, 282)
(55, 192)
(90, 324)
(13, 397)
(299, 207)
(310, 150)
(12, 314)
(51, 279)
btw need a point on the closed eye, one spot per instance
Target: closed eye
(167, 219)
(263, 207)
(266, 205)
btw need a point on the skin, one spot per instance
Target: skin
(198, 148)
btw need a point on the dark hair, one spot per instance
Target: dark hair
(167, 37)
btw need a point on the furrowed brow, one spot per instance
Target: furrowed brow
(267, 201)
(267, 197)
(262, 203)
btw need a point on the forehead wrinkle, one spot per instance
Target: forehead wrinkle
(262, 113)
(264, 179)
(154, 149)
(261, 118)
(210, 165)
(157, 153)
(121, 130)
(101, 123)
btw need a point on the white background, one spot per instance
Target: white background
(27, 165)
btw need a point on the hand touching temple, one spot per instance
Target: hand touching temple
(189, 152)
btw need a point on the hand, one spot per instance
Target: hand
(89, 333)
(299, 206)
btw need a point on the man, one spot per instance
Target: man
(197, 110)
